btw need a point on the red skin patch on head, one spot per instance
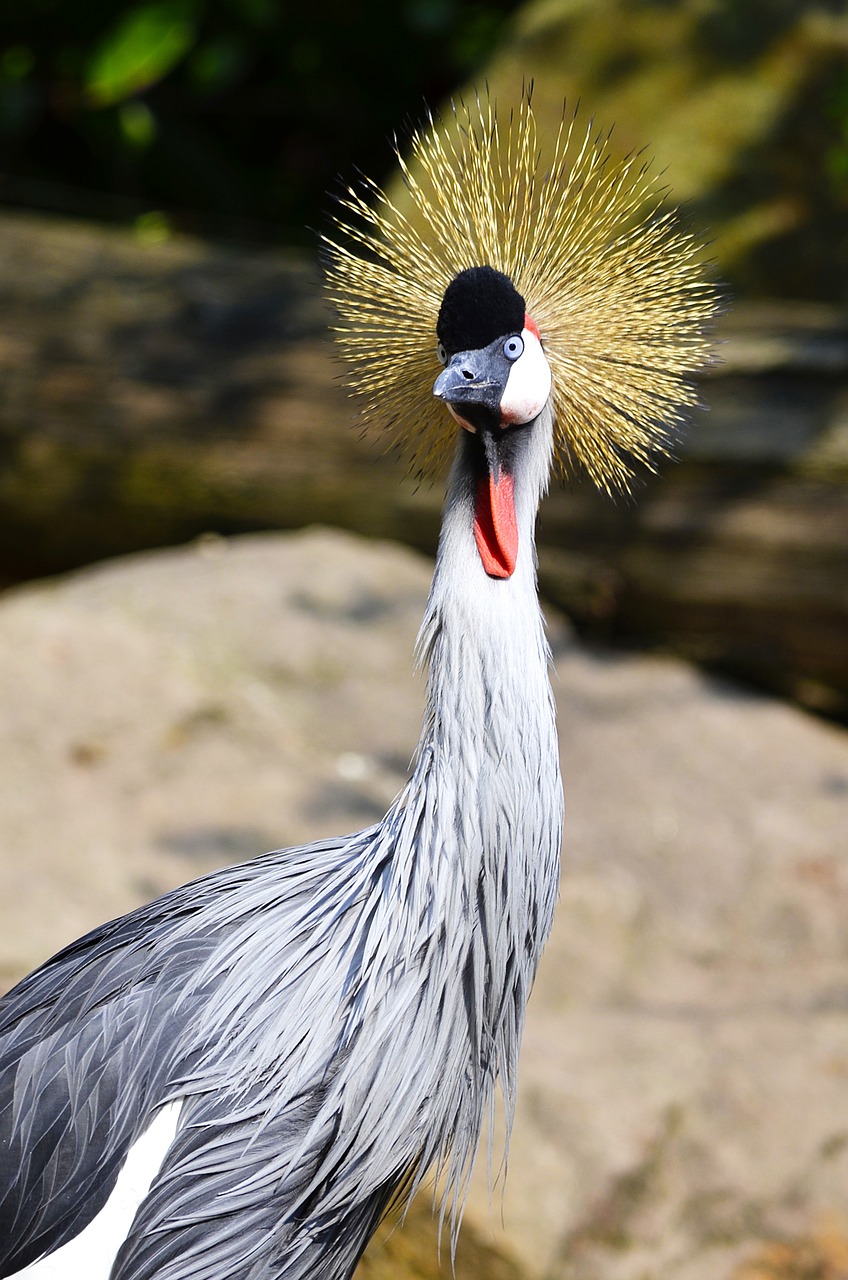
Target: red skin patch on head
(495, 526)
(530, 323)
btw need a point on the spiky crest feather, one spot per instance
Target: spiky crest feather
(615, 283)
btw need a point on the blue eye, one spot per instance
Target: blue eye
(513, 347)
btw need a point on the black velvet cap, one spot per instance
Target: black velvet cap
(480, 305)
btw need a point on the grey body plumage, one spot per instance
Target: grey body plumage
(335, 1016)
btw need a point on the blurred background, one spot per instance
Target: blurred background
(167, 380)
(230, 118)
(235, 118)
(155, 319)
(167, 168)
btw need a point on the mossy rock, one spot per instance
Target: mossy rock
(742, 103)
(409, 1250)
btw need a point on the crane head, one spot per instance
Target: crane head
(496, 375)
(495, 380)
(490, 220)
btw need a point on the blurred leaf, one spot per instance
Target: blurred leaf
(153, 227)
(143, 47)
(138, 124)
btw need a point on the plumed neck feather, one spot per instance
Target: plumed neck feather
(485, 796)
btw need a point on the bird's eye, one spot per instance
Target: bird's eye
(513, 347)
(441, 353)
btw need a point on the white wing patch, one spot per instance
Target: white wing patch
(90, 1255)
(528, 385)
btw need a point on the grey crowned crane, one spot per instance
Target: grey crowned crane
(237, 1079)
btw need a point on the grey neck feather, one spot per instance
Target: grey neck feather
(485, 797)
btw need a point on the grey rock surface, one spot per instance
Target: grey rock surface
(684, 1088)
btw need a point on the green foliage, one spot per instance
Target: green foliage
(234, 116)
(138, 124)
(144, 45)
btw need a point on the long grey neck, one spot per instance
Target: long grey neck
(476, 833)
(489, 723)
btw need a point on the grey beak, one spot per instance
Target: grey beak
(471, 377)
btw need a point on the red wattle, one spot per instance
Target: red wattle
(495, 527)
(530, 323)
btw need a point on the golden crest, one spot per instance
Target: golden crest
(615, 284)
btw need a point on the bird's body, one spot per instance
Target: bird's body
(332, 1018)
(262, 1060)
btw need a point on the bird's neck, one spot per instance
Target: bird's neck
(489, 706)
(489, 709)
(487, 766)
(469, 852)
(485, 797)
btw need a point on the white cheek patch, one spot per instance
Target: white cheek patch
(528, 385)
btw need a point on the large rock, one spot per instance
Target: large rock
(685, 1072)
